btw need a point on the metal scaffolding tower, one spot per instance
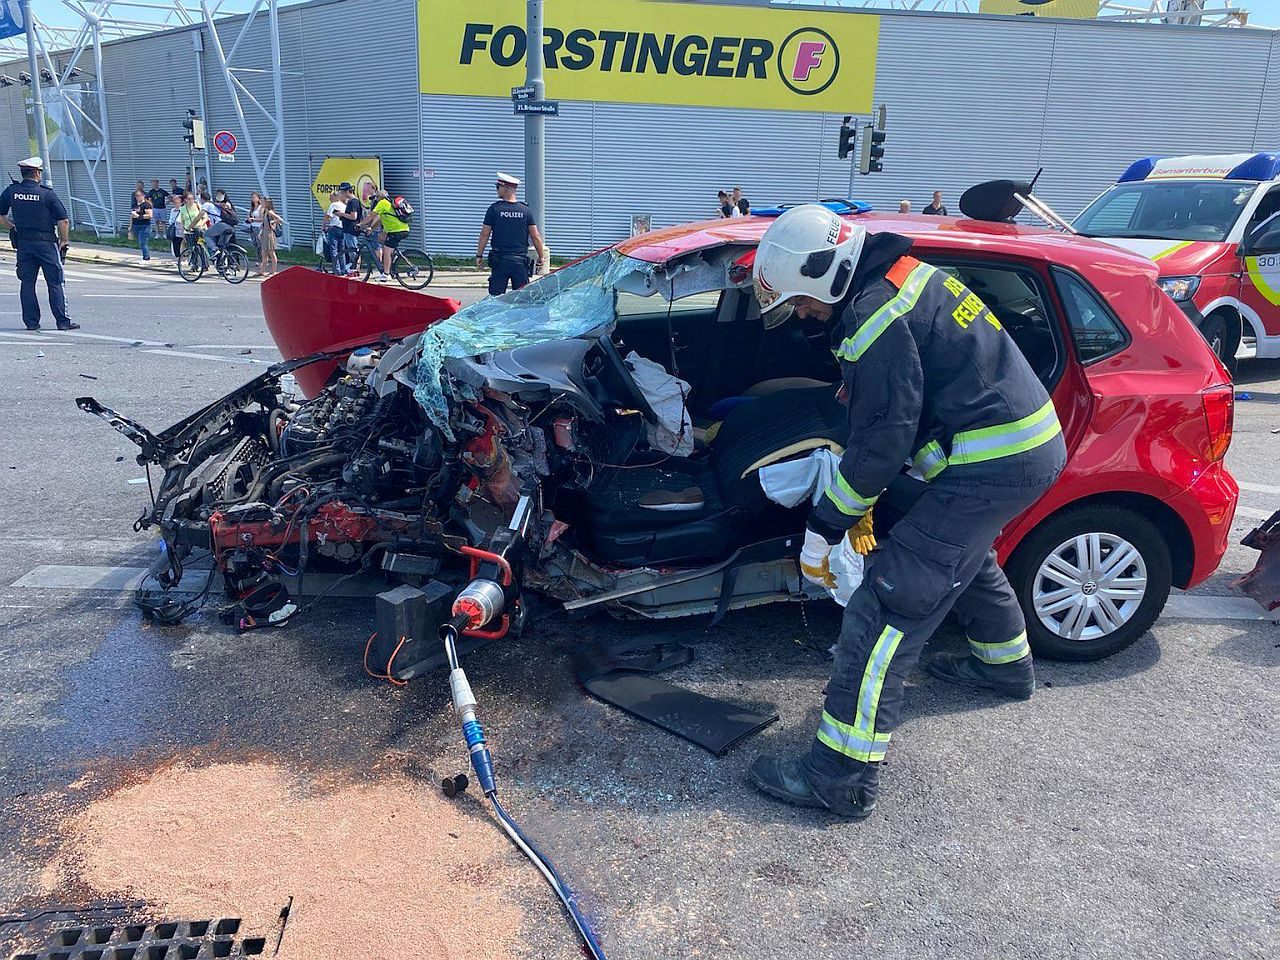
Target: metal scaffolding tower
(69, 80)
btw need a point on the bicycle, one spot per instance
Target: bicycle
(412, 269)
(230, 260)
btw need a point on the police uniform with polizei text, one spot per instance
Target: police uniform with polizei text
(508, 244)
(931, 377)
(35, 211)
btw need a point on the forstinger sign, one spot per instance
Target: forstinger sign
(640, 51)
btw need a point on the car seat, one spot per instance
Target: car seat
(734, 509)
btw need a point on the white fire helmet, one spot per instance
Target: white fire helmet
(809, 251)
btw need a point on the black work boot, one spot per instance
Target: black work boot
(1016, 679)
(787, 780)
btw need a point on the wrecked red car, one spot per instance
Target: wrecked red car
(598, 439)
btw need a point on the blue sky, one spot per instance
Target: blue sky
(1261, 12)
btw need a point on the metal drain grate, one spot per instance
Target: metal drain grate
(178, 940)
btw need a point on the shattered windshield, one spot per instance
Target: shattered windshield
(571, 302)
(1167, 210)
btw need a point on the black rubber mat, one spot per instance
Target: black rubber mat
(147, 940)
(627, 682)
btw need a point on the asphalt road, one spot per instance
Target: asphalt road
(1128, 810)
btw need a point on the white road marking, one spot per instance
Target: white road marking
(231, 346)
(57, 576)
(1252, 514)
(1259, 488)
(102, 336)
(209, 356)
(147, 296)
(37, 343)
(1190, 607)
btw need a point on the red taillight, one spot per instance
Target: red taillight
(1219, 405)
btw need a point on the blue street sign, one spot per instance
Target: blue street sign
(10, 19)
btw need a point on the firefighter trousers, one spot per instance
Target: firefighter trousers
(938, 558)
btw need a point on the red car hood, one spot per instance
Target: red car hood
(1188, 258)
(311, 312)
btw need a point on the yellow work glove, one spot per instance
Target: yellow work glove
(861, 537)
(815, 562)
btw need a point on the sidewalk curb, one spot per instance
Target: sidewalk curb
(443, 278)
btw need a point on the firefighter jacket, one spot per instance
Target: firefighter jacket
(931, 379)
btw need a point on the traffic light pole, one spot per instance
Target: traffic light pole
(37, 96)
(535, 157)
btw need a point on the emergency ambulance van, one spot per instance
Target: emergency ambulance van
(1212, 223)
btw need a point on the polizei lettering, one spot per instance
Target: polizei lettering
(610, 51)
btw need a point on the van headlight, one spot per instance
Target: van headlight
(1180, 288)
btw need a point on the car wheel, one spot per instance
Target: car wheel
(1091, 580)
(1221, 331)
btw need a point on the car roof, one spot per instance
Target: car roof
(930, 234)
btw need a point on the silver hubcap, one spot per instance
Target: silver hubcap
(1090, 586)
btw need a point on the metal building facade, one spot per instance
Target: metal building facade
(968, 98)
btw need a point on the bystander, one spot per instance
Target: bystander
(740, 203)
(174, 231)
(937, 208)
(904, 206)
(271, 222)
(352, 213)
(158, 195)
(142, 216)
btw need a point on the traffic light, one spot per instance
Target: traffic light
(872, 145)
(195, 131)
(848, 136)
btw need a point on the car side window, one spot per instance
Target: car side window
(1094, 328)
(1016, 297)
(1263, 231)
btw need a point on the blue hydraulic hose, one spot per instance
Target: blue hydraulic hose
(559, 886)
(482, 764)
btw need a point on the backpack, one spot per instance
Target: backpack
(402, 208)
(229, 215)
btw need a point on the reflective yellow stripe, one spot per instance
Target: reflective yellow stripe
(1006, 651)
(1174, 249)
(848, 740)
(1006, 439)
(930, 460)
(855, 346)
(847, 500)
(873, 679)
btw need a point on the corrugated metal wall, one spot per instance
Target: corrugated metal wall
(969, 98)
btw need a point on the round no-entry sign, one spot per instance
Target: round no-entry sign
(224, 141)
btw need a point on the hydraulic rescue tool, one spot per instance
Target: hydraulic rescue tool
(483, 608)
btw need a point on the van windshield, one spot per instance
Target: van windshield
(1167, 210)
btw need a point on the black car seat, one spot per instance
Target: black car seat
(733, 508)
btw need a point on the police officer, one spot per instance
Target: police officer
(932, 378)
(511, 226)
(37, 222)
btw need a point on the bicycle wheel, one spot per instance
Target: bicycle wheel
(412, 269)
(234, 263)
(192, 264)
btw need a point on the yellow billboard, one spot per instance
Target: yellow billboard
(363, 173)
(642, 51)
(1066, 9)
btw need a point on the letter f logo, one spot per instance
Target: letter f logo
(808, 58)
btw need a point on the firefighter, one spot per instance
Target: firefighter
(38, 224)
(931, 379)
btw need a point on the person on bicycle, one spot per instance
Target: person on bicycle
(224, 221)
(193, 218)
(394, 231)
